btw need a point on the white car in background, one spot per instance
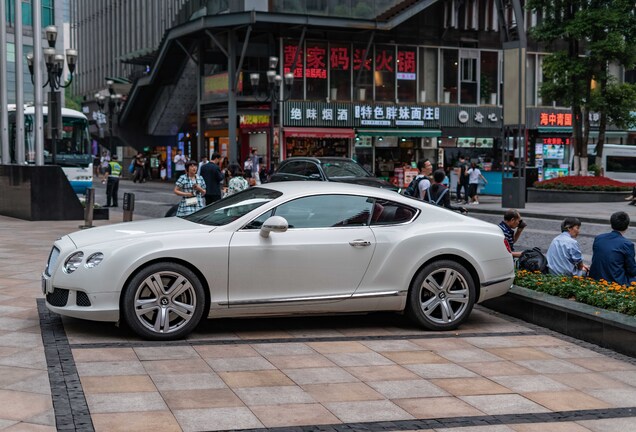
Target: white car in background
(278, 249)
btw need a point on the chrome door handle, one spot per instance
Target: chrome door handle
(359, 243)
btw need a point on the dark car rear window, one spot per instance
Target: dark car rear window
(337, 169)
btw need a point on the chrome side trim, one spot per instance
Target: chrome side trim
(485, 284)
(314, 298)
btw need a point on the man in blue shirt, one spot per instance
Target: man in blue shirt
(613, 255)
(564, 254)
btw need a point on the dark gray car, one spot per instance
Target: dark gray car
(335, 169)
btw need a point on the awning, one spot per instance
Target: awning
(401, 132)
(319, 132)
(555, 130)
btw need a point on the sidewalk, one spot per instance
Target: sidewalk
(587, 212)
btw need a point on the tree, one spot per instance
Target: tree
(592, 34)
(70, 101)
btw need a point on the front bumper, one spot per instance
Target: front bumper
(80, 304)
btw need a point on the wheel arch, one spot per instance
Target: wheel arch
(186, 264)
(460, 260)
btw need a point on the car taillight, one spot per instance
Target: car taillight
(507, 245)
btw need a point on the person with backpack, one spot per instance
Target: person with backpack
(439, 194)
(564, 254)
(420, 184)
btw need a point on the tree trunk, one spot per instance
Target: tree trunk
(600, 141)
(585, 138)
(577, 138)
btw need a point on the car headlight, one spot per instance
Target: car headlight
(73, 262)
(94, 260)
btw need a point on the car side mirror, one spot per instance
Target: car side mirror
(274, 224)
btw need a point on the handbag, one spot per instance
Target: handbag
(192, 201)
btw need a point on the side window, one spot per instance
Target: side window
(312, 171)
(326, 211)
(296, 168)
(259, 221)
(389, 213)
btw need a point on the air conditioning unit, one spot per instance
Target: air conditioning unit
(427, 143)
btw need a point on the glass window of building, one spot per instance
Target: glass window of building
(450, 68)
(362, 72)
(289, 54)
(468, 77)
(489, 73)
(385, 73)
(407, 74)
(340, 67)
(48, 13)
(316, 70)
(428, 74)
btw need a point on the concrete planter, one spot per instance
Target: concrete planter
(100, 213)
(565, 196)
(601, 327)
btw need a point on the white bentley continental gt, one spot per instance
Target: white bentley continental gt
(278, 249)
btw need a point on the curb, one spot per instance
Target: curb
(529, 214)
(601, 327)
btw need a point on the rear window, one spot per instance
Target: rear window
(339, 169)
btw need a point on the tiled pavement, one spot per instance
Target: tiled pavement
(372, 373)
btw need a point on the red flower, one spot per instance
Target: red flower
(584, 183)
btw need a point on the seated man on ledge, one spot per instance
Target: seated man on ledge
(613, 254)
(564, 254)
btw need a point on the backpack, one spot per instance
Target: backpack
(439, 198)
(533, 260)
(413, 189)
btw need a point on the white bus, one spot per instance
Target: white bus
(73, 149)
(619, 161)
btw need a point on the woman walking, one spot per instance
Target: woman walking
(191, 188)
(474, 174)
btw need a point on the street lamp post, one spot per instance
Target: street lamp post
(114, 103)
(274, 95)
(55, 69)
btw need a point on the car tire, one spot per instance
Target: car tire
(442, 295)
(164, 301)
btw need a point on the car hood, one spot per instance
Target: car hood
(130, 230)
(366, 181)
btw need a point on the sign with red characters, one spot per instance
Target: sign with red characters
(555, 119)
(556, 141)
(317, 57)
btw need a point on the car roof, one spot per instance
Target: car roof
(320, 159)
(302, 187)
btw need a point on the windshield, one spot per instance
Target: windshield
(73, 149)
(233, 207)
(339, 169)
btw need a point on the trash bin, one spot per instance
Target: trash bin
(513, 192)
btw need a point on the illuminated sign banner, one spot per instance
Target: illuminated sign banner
(347, 114)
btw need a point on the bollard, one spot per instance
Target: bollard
(129, 206)
(88, 210)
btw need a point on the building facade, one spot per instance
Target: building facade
(386, 82)
(52, 13)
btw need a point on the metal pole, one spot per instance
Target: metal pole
(38, 123)
(4, 114)
(53, 111)
(270, 141)
(19, 86)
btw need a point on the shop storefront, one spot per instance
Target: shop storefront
(549, 136)
(474, 133)
(384, 138)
